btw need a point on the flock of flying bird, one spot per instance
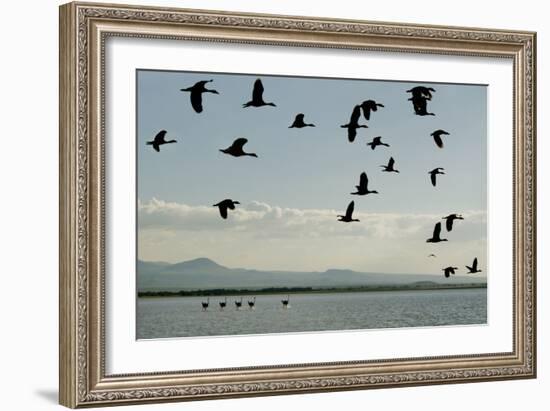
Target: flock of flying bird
(420, 96)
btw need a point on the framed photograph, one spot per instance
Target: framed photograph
(259, 204)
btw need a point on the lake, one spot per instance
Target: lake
(169, 317)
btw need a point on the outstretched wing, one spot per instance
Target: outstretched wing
(363, 180)
(377, 140)
(352, 132)
(391, 162)
(239, 143)
(366, 107)
(196, 101)
(355, 114)
(449, 223)
(223, 210)
(159, 138)
(258, 92)
(437, 230)
(299, 118)
(432, 177)
(437, 139)
(474, 265)
(349, 210)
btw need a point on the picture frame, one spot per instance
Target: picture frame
(85, 158)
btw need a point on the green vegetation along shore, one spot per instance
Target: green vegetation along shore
(418, 286)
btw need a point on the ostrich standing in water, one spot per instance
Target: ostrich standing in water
(223, 304)
(239, 304)
(252, 303)
(205, 304)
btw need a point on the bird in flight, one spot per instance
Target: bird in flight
(196, 94)
(389, 168)
(363, 187)
(224, 205)
(450, 219)
(353, 124)
(368, 106)
(473, 269)
(377, 141)
(449, 270)
(299, 122)
(432, 255)
(436, 236)
(159, 140)
(348, 218)
(258, 96)
(437, 137)
(236, 149)
(434, 173)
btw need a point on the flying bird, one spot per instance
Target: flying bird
(225, 205)
(449, 270)
(196, 94)
(299, 122)
(353, 124)
(436, 235)
(437, 137)
(257, 96)
(389, 168)
(348, 218)
(236, 149)
(450, 219)
(473, 269)
(363, 187)
(421, 91)
(377, 141)
(368, 106)
(432, 255)
(159, 140)
(434, 173)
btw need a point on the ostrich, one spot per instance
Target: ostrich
(285, 302)
(252, 303)
(223, 303)
(239, 304)
(205, 304)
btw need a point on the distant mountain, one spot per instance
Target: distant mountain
(203, 273)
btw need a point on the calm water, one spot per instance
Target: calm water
(183, 316)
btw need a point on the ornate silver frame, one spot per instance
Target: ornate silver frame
(83, 30)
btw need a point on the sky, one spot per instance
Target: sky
(290, 195)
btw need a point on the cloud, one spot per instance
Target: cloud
(264, 220)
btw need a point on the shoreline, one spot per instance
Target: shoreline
(221, 292)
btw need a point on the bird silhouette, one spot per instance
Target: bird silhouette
(353, 124)
(432, 255)
(236, 149)
(368, 106)
(389, 168)
(450, 219)
(159, 140)
(421, 91)
(257, 96)
(252, 303)
(285, 302)
(363, 187)
(377, 141)
(205, 304)
(299, 122)
(473, 269)
(223, 303)
(196, 94)
(437, 137)
(239, 304)
(224, 205)
(420, 106)
(348, 218)
(434, 173)
(449, 270)
(436, 235)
